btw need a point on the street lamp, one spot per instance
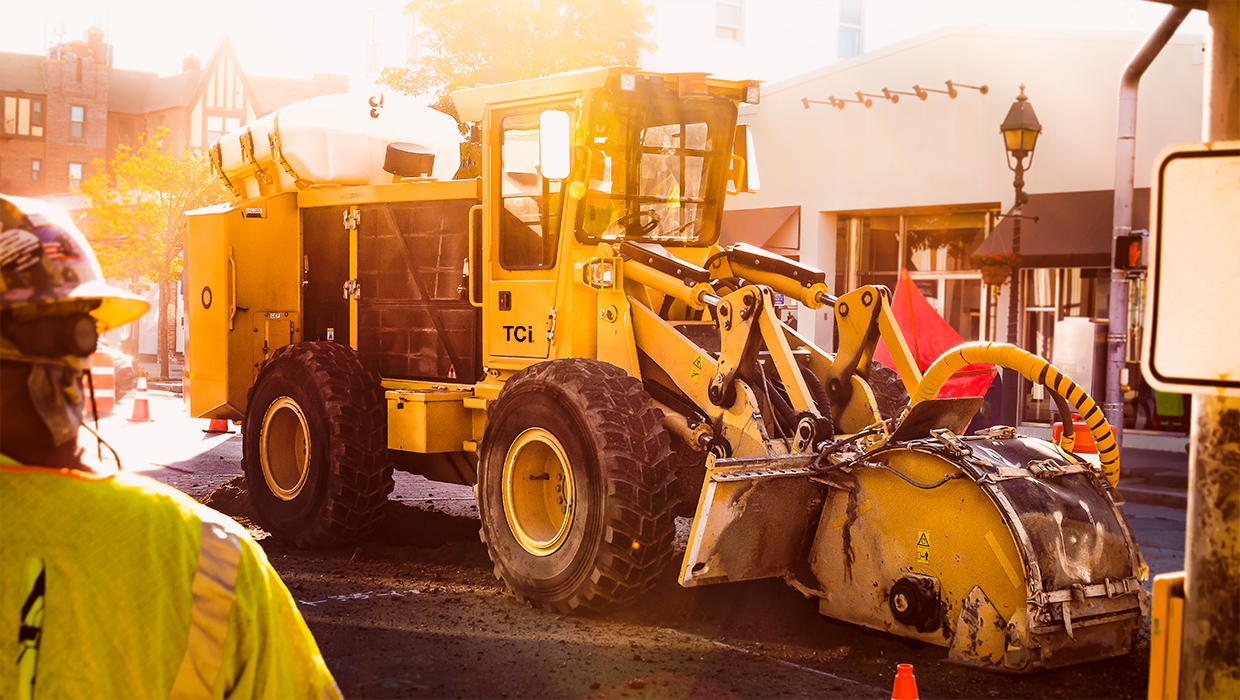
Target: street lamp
(1020, 133)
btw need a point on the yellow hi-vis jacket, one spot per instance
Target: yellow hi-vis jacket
(119, 587)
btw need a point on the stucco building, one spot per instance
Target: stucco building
(920, 184)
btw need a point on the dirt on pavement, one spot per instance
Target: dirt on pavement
(415, 611)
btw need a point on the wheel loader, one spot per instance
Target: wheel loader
(564, 333)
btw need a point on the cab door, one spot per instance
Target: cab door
(523, 237)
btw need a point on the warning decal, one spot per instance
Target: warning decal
(695, 372)
(923, 547)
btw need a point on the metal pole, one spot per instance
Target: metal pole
(1125, 165)
(1011, 378)
(1210, 658)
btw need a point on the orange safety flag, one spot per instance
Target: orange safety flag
(929, 336)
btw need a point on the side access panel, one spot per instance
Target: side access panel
(414, 319)
(243, 282)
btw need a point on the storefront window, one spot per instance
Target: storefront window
(880, 251)
(1051, 295)
(936, 249)
(843, 255)
(941, 242)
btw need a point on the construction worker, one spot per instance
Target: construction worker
(113, 585)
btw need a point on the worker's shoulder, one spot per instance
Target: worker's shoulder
(119, 495)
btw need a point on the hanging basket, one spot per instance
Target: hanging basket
(996, 275)
(996, 268)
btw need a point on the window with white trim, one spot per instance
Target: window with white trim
(413, 46)
(23, 116)
(218, 125)
(36, 169)
(850, 28)
(77, 122)
(729, 17)
(374, 45)
(75, 174)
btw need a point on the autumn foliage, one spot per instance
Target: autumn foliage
(485, 42)
(134, 215)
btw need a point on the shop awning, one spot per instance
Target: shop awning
(1073, 228)
(769, 227)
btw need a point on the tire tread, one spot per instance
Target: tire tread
(356, 413)
(633, 452)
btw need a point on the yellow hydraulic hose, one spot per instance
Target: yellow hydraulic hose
(1035, 369)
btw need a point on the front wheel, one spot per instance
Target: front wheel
(574, 486)
(314, 446)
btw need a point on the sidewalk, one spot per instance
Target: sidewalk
(176, 369)
(1154, 477)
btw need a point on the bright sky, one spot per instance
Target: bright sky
(283, 38)
(297, 38)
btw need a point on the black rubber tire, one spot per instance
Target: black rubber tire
(348, 477)
(620, 537)
(889, 391)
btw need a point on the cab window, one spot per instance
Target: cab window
(531, 204)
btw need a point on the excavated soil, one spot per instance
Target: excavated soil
(416, 612)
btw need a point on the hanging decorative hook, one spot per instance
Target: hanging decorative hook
(894, 95)
(884, 96)
(951, 88)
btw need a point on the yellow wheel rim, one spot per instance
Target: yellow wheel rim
(538, 492)
(284, 448)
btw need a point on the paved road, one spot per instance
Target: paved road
(417, 612)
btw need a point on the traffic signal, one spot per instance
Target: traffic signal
(1130, 252)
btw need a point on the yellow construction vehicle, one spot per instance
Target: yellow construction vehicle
(564, 333)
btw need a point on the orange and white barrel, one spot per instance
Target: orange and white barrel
(1085, 446)
(103, 377)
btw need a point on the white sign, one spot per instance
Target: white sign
(1192, 317)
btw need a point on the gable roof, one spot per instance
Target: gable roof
(273, 93)
(20, 72)
(142, 92)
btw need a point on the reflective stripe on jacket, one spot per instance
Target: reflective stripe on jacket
(141, 592)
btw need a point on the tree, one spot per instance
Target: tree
(134, 217)
(471, 42)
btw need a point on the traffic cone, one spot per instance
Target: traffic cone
(141, 410)
(451, 371)
(218, 425)
(905, 687)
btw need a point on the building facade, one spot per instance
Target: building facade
(64, 110)
(864, 186)
(767, 40)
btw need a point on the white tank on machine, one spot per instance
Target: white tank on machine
(333, 140)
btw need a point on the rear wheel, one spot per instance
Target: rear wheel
(574, 486)
(314, 446)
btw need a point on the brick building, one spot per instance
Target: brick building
(62, 111)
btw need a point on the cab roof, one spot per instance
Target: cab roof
(471, 103)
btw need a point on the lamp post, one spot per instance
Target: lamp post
(1020, 133)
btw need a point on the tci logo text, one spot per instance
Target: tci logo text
(521, 334)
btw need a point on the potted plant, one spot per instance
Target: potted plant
(996, 267)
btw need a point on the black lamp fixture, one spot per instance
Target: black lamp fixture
(1020, 134)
